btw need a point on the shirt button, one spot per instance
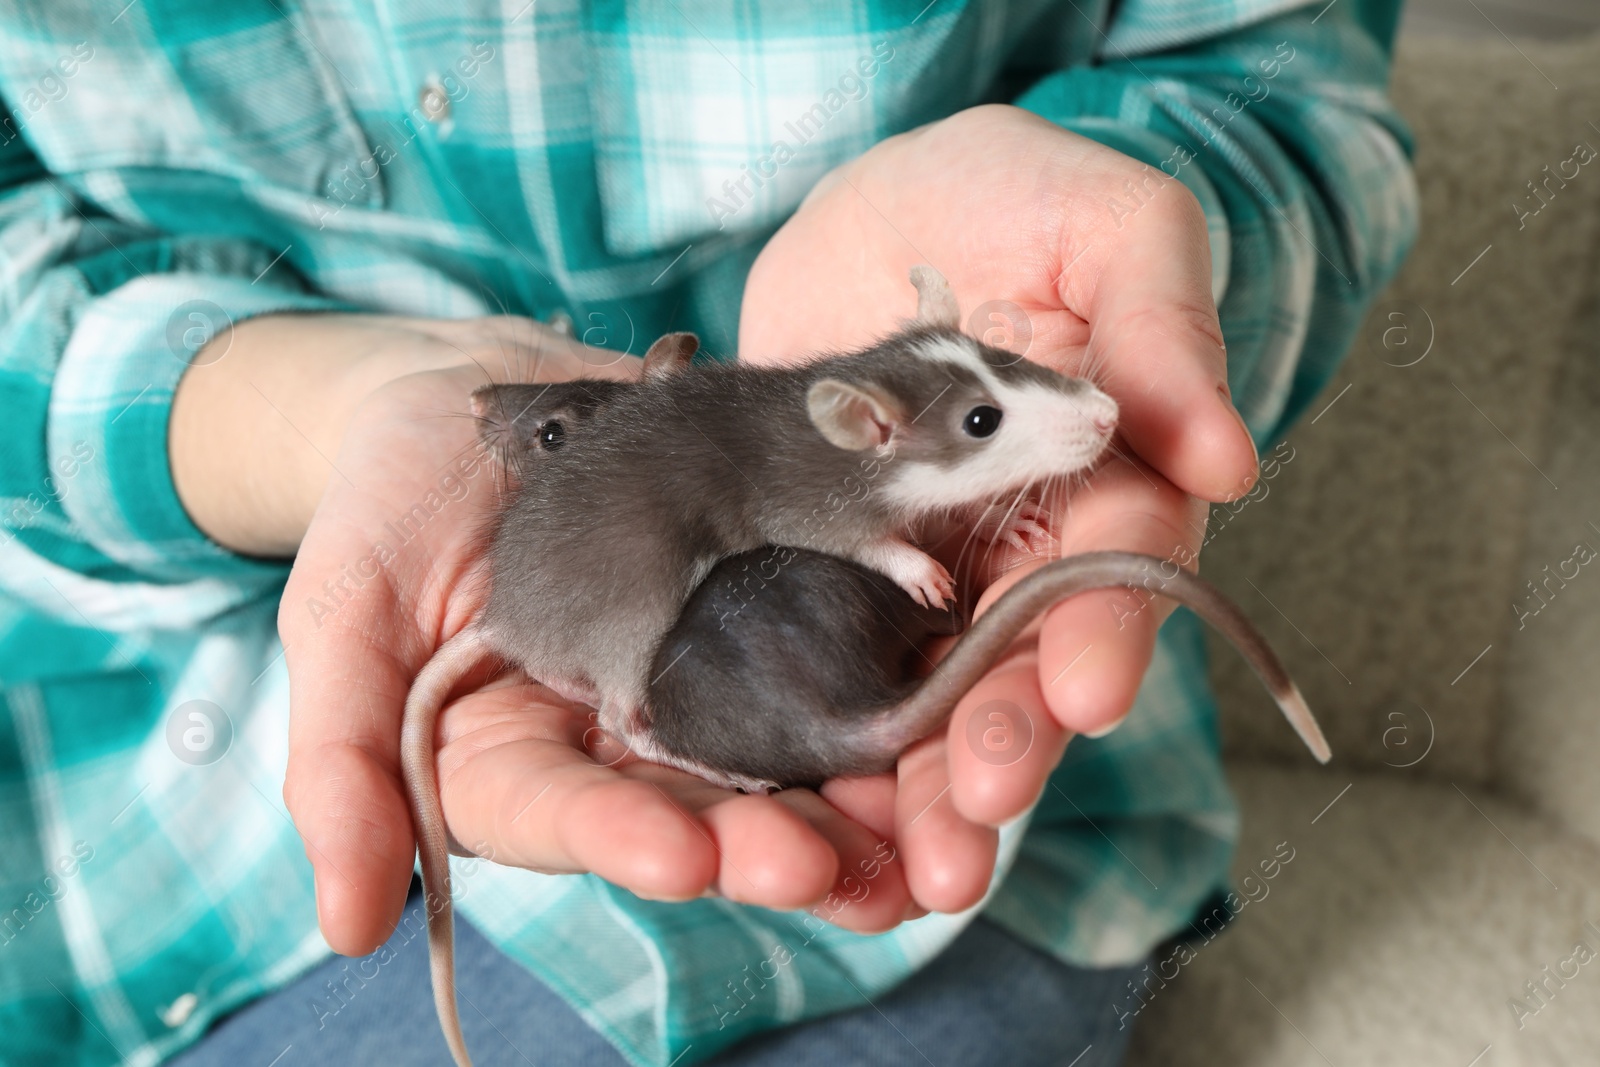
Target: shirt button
(434, 102)
(177, 1013)
(560, 322)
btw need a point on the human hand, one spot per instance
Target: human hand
(1015, 210)
(386, 398)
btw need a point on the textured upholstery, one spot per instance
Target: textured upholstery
(1392, 550)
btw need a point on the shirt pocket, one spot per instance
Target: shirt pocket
(705, 124)
(238, 92)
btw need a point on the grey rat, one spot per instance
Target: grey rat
(612, 528)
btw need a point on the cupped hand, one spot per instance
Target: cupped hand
(1017, 213)
(385, 573)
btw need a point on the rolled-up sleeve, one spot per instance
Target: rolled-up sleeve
(1282, 128)
(100, 320)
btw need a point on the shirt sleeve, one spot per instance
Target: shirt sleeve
(1282, 128)
(99, 318)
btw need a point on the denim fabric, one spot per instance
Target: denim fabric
(987, 999)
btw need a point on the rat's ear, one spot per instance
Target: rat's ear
(936, 304)
(852, 417)
(670, 354)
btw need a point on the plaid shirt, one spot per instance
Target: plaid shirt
(167, 164)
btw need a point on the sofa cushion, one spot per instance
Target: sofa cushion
(1402, 931)
(1392, 543)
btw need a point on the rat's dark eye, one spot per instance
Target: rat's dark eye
(552, 435)
(981, 421)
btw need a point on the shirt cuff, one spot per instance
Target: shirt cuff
(110, 405)
(1091, 104)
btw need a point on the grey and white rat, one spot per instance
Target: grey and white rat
(630, 494)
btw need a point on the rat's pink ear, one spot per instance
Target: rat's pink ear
(670, 354)
(852, 417)
(485, 401)
(936, 304)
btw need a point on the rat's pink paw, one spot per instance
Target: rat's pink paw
(1025, 529)
(912, 569)
(930, 585)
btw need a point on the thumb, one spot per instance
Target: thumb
(1155, 330)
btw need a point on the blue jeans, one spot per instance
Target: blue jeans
(987, 999)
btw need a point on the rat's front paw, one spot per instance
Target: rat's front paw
(912, 569)
(927, 581)
(933, 587)
(1024, 528)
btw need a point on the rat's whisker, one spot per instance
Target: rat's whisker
(971, 543)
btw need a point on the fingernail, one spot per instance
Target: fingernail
(1255, 453)
(1228, 402)
(1107, 728)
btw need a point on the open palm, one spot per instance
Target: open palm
(1014, 212)
(387, 571)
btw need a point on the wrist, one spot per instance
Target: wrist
(258, 419)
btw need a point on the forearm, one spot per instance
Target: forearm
(258, 419)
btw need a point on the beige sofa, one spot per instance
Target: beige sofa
(1450, 854)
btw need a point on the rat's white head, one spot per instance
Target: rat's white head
(967, 423)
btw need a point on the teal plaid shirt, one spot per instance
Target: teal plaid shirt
(167, 163)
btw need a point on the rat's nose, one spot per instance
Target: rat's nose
(1102, 412)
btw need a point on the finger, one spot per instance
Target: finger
(1154, 329)
(513, 348)
(518, 787)
(343, 786)
(868, 892)
(948, 858)
(869, 800)
(1003, 743)
(1095, 647)
(772, 851)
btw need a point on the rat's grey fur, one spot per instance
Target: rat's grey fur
(787, 652)
(597, 554)
(790, 668)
